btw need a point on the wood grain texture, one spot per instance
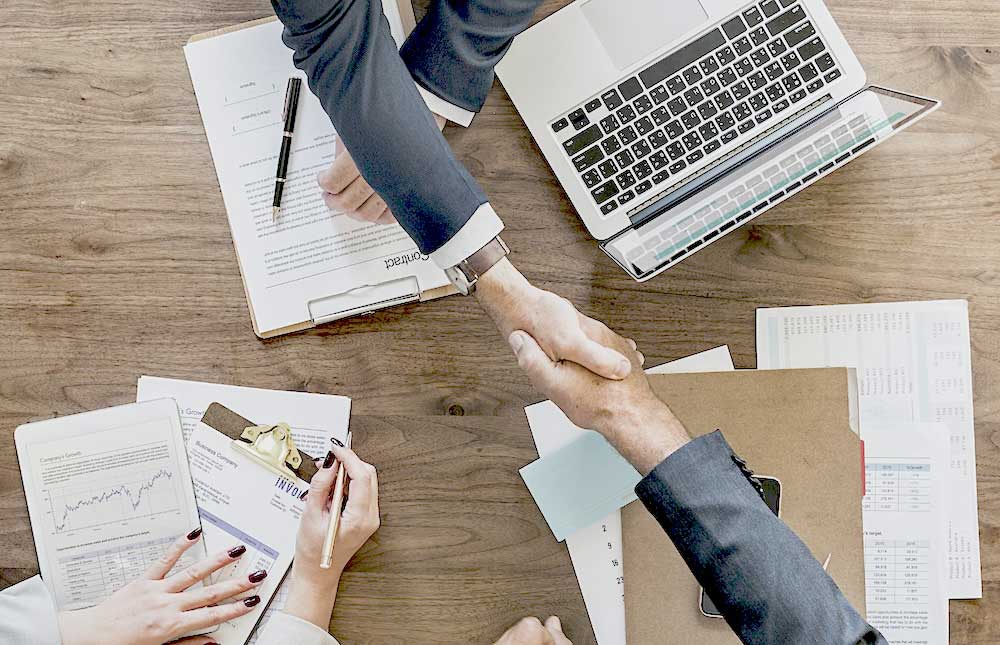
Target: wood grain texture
(116, 261)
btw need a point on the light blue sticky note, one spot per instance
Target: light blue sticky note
(580, 484)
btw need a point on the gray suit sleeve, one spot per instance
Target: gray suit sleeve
(760, 575)
(453, 50)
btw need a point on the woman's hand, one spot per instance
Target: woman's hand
(313, 589)
(531, 631)
(156, 609)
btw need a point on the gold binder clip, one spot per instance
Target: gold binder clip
(272, 447)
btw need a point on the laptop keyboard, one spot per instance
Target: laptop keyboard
(696, 104)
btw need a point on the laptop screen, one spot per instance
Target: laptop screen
(775, 173)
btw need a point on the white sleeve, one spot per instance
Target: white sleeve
(482, 227)
(439, 106)
(28, 615)
(284, 628)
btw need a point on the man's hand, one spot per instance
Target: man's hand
(346, 191)
(531, 631)
(627, 412)
(563, 332)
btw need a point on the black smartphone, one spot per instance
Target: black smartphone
(772, 497)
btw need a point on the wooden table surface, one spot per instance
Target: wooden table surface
(116, 261)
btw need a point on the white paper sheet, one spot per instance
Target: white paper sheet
(914, 364)
(596, 551)
(302, 267)
(906, 532)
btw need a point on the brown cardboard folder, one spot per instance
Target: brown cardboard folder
(794, 425)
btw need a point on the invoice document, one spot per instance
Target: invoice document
(906, 532)
(108, 492)
(241, 502)
(596, 551)
(311, 265)
(914, 364)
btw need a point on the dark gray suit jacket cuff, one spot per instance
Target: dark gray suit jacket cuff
(763, 579)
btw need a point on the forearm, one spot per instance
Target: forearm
(312, 603)
(501, 292)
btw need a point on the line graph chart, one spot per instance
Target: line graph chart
(141, 493)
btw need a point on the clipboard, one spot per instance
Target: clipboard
(359, 300)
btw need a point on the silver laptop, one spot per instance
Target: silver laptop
(671, 122)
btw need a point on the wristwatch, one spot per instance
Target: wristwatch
(465, 274)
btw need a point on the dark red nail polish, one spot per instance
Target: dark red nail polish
(337, 441)
(329, 460)
(303, 495)
(252, 601)
(237, 551)
(257, 576)
(193, 535)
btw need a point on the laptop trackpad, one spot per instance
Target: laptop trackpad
(632, 29)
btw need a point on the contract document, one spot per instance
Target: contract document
(596, 551)
(914, 365)
(311, 265)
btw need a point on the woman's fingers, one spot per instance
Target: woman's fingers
(321, 486)
(364, 484)
(220, 591)
(201, 570)
(211, 616)
(166, 562)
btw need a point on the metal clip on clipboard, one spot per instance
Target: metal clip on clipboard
(364, 299)
(271, 447)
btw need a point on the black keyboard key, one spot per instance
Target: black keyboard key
(797, 96)
(624, 159)
(626, 113)
(770, 8)
(630, 89)
(758, 102)
(676, 85)
(747, 126)
(815, 85)
(725, 121)
(593, 105)
(708, 131)
(741, 90)
(610, 206)
(758, 37)
(763, 116)
(824, 62)
(608, 168)
(643, 104)
(588, 158)
(791, 82)
(783, 21)
(692, 141)
(604, 192)
(774, 71)
(790, 61)
(642, 170)
(727, 76)
(812, 48)
(591, 178)
(742, 46)
(743, 66)
(676, 106)
(757, 80)
(692, 75)
(644, 126)
(777, 47)
(670, 65)
(627, 135)
(742, 112)
(677, 167)
(675, 150)
(725, 55)
(710, 87)
(611, 99)
(659, 160)
(728, 136)
(760, 57)
(724, 100)
(643, 187)
(674, 129)
(781, 106)
(582, 140)
(626, 179)
(690, 120)
(707, 110)
(808, 72)
(611, 145)
(641, 149)
(753, 17)
(709, 66)
(658, 139)
(560, 125)
(832, 76)
(626, 197)
(800, 34)
(785, 3)
(581, 124)
(609, 124)
(775, 92)
(659, 94)
(734, 27)
(577, 115)
(660, 115)
(661, 177)
(694, 156)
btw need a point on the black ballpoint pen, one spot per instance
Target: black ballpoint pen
(291, 108)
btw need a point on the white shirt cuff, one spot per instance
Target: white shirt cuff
(482, 227)
(443, 108)
(285, 628)
(28, 615)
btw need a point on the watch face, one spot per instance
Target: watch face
(460, 281)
